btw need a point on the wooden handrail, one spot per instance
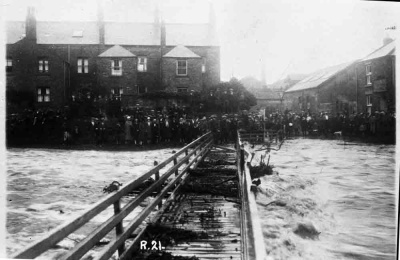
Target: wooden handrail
(251, 226)
(128, 253)
(109, 250)
(58, 234)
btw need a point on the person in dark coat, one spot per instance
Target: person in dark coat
(155, 131)
(147, 131)
(136, 131)
(166, 130)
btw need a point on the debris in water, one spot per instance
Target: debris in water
(275, 202)
(256, 181)
(114, 186)
(307, 230)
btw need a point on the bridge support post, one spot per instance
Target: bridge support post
(119, 228)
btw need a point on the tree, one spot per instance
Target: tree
(228, 97)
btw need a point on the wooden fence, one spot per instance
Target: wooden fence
(192, 154)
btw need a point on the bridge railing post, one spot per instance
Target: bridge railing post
(175, 162)
(157, 174)
(119, 228)
(186, 153)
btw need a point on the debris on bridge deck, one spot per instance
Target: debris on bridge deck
(208, 206)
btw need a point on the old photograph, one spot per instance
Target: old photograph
(204, 129)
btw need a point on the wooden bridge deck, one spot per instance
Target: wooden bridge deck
(217, 215)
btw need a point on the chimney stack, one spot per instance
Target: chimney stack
(163, 34)
(388, 39)
(30, 26)
(211, 23)
(263, 76)
(100, 22)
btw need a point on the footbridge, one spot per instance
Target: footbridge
(198, 205)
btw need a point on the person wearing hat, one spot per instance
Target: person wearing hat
(147, 130)
(128, 130)
(155, 131)
(135, 131)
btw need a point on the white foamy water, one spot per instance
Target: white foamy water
(48, 187)
(347, 192)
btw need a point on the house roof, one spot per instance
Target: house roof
(67, 33)
(385, 50)
(189, 35)
(115, 33)
(317, 78)
(181, 51)
(117, 52)
(131, 33)
(296, 76)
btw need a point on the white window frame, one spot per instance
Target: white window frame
(9, 65)
(119, 90)
(180, 67)
(116, 70)
(142, 64)
(369, 103)
(203, 66)
(43, 94)
(368, 72)
(43, 65)
(83, 65)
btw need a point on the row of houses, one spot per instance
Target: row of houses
(56, 62)
(361, 86)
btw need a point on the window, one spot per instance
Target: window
(117, 91)
(181, 67)
(43, 65)
(368, 72)
(369, 103)
(181, 90)
(368, 69)
(43, 94)
(203, 66)
(116, 67)
(142, 64)
(83, 65)
(9, 65)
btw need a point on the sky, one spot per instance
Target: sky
(287, 36)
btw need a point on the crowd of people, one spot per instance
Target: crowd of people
(323, 124)
(174, 125)
(136, 127)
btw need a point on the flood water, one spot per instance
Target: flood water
(48, 187)
(347, 192)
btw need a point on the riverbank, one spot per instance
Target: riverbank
(355, 139)
(105, 147)
(150, 147)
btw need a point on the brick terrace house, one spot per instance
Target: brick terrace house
(52, 63)
(377, 80)
(362, 86)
